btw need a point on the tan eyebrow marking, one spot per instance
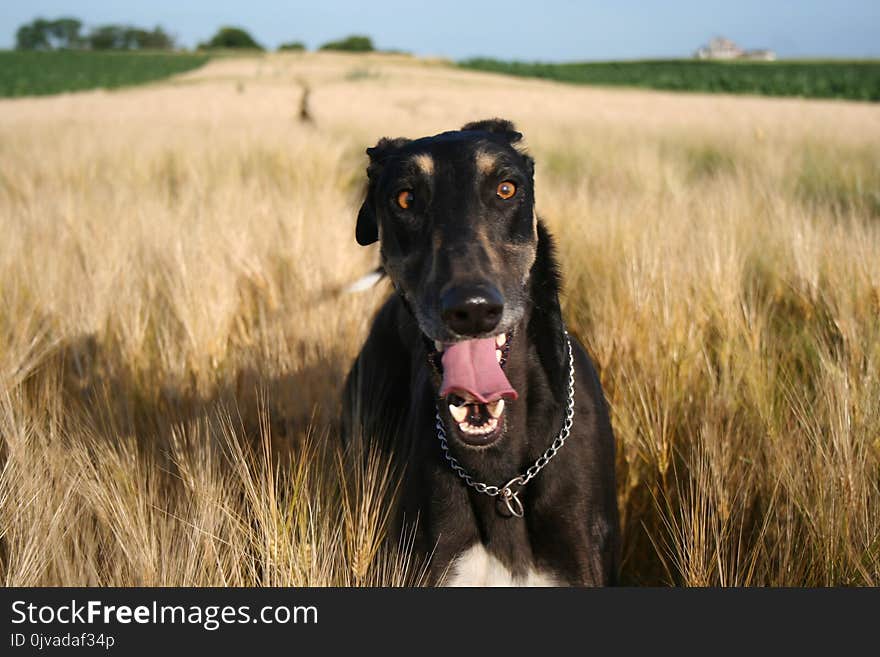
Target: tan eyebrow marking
(425, 163)
(485, 162)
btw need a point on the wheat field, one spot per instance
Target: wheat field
(172, 345)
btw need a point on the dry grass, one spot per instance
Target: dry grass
(170, 361)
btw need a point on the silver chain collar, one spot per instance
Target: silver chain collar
(507, 493)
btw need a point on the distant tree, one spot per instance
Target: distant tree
(64, 33)
(231, 37)
(353, 43)
(108, 37)
(295, 46)
(155, 39)
(33, 36)
(41, 34)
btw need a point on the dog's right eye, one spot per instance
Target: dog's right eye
(405, 199)
(506, 190)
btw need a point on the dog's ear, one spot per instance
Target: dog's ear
(367, 230)
(385, 148)
(496, 126)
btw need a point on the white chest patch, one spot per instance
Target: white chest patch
(476, 567)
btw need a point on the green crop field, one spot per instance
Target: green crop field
(41, 73)
(856, 80)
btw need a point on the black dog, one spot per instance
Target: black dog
(465, 375)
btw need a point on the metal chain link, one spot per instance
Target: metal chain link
(507, 493)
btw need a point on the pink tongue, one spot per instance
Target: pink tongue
(471, 370)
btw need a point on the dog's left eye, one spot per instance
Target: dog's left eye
(506, 190)
(405, 199)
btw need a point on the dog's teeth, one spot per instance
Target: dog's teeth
(498, 355)
(500, 339)
(464, 426)
(458, 412)
(438, 345)
(496, 408)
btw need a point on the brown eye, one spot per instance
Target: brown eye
(405, 199)
(506, 190)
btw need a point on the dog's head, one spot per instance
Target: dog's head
(454, 215)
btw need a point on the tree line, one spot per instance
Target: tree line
(67, 33)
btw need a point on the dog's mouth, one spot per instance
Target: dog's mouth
(474, 387)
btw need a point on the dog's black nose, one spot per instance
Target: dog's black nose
(471, 309)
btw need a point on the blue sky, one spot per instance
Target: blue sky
(516, 29)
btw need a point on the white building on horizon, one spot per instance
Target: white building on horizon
(722, 48)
